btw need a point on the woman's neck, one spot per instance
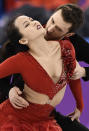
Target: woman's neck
(39, 47)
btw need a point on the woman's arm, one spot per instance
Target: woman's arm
(10, 66)
(75, 86)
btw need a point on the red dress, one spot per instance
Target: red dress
(36, 117)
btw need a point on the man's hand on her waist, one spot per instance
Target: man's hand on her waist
(16, 99)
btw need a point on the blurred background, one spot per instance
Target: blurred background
(41, 10)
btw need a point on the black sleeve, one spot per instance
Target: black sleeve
(17, 80)
(5, 86)
(82, 51)
(67, 124)
(87, 74)
(81, 48)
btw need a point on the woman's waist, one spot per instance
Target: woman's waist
(43, 99)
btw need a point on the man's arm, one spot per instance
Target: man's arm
(78, 72)
(17, 81)
(15, 93)
(82, 52)
(86, 77)
(16, 99)
(81, 48)
(4, 88)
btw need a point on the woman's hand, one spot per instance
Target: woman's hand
(16, 99)
(75, 115)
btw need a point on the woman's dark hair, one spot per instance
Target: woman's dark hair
(14, 36)
(73, 14)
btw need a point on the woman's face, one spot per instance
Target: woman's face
(29, 28)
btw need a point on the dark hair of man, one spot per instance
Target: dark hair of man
(14, 36)
(73, 14)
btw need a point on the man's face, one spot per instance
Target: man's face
(56, 27)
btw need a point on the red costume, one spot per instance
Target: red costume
(36, 117)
